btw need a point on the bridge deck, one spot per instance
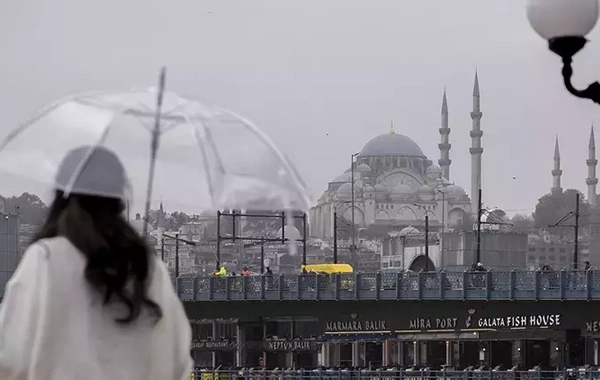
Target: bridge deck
(508, 285)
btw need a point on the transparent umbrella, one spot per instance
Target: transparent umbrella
(207, 158)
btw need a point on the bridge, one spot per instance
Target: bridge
(512, 285)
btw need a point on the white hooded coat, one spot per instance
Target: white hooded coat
(54, 326)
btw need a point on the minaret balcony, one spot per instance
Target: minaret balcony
(591, 161)
(444, 131)
(476, 115)
(476, 150)
(444, 146)
(476, 134)
(591, 181)
(556, 172)
(444, 162)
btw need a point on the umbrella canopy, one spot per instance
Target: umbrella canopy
(208, 158)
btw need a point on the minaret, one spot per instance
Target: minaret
(161, 220)
(591, 162)
(476, 149)
(556, 172)
(444, 145)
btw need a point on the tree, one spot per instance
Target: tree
(552, 208)
(179, 219)
(522, 223)
(29, 206)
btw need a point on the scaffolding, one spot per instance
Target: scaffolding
(236, 221)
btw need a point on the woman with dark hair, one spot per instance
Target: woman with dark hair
(89, 300)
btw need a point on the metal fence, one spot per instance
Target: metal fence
(393, 374)
(468, 285)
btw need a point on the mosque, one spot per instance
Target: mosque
(396, 185)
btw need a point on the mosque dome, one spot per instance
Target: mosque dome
(380, 188)
(291, 233)
(434, 172)
(426, 189)
(410, 230)
(392, 144)
(363, 168)
(344, 177)
(345, 191)
(454, 191)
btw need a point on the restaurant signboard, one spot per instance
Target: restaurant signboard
(290, 345)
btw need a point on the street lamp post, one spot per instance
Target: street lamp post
(565, 23)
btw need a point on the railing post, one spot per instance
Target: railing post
(227, 286)
(512, 284)
(563, 283)
(262, 287)
(281, 286)
(245, 280)
(336, 286)
(420, 283)
(536, 284)
(194, 288)
(357, 280)
(399, 286)
(465, 284)
(442, 284)
(299, 281)
(317, 286)
(211, 288)
(589, 275)
(377, 285)
(488, 284)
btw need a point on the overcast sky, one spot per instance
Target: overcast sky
(324, 77)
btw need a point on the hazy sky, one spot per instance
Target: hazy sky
(324, 77)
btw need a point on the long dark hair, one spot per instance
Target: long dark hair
(116, 254)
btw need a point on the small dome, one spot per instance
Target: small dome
(426, 189)
(495, 215)
(454, 191)
(291, 233)
(346, 188)
(344, 177)
(401, 189)
(410, 230)
(434, 172)
(363, 168)
(380, 188)
(368, 189)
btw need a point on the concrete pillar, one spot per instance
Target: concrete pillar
(214, 337)
(448, 352)
(241, 342)
(423, 359)
(517, 352)
(385, 352)
(596, 358)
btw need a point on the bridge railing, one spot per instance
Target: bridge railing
(393, 374)
(469, 285)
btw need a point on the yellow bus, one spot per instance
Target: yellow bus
(328, 268)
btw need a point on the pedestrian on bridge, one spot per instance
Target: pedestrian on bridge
(89, 300)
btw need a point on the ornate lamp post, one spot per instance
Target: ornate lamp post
(565, 23)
